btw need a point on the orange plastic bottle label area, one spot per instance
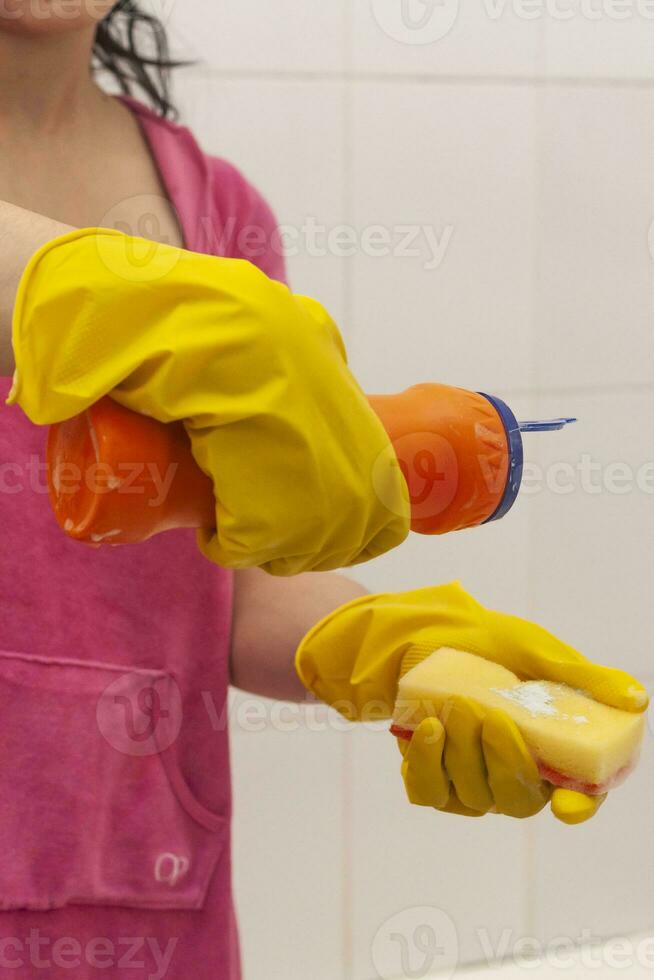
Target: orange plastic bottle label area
(453, 450)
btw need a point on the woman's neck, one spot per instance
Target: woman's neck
(46, 83)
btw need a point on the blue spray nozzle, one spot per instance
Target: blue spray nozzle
(514, 430)
(546, 425)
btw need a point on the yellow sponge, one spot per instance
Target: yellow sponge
(577, 742)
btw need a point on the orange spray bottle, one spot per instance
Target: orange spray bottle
(118, 477)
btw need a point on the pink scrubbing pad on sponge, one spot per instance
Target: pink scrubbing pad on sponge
(577, 742)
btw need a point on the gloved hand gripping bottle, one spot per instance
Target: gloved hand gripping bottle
(116, 476)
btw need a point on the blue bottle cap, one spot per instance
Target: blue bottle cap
(516, 457)
(514, 430)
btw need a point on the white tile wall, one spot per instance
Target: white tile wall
(592, 510)
(301, 173)
(456, 37)
(288, 841)
(252, 36)
(604, 47)
(489, 562)
(533, 140)
(595, 289)
(405, 858)
(457, 162)
(592, 881)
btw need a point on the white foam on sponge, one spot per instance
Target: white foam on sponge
(534, 696)
(537, 698)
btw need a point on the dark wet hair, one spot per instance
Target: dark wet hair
(132, 46)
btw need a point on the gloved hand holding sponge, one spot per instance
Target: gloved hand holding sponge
(464, 751)
(260, 380)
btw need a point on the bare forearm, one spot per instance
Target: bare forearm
(271, 616)
(21, 234)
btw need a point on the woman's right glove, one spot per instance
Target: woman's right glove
(468, 760)
(258, 375)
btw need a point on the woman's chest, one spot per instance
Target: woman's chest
(116, 185)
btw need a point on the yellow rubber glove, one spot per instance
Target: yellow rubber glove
(469, 760)
(259, 376)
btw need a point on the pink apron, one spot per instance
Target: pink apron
(114, 778)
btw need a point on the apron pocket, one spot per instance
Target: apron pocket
(94, 809)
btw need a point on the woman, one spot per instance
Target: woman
(116, 840)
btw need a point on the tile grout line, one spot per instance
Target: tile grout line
(416, 78)
(583, 391)
(347, 922)
(529, 851)
(347, 164)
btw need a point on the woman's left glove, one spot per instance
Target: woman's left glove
(467, 761)
(258, 375)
